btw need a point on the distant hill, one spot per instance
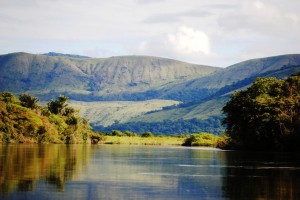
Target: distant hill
(115, 78)
(65, 55)
(202, 90)
(210, 84)
(223, 83)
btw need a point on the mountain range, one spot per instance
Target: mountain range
(139, 93)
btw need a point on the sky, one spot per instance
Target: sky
(209, 32)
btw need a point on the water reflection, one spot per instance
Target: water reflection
(262, 176)
(23, 166)
(143, 172)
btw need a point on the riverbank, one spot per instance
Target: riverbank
(138, 140)
(199, 139)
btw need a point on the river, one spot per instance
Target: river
(145, 172)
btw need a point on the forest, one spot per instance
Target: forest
(23, 120)
(266, 116)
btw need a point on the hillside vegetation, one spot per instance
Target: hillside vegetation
(266, 116)
(22, 120)
(115, 78)
(106, 113)
(202, 90)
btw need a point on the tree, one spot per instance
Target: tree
(266, 115)
(116, 133)
(147, 134)
(28, 101)
(57, 106)
(8, 97)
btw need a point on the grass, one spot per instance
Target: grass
(207, 139)
(138, 140)
(200, 139)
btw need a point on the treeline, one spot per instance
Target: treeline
(168, 127)
(23, 120)
(266, 116)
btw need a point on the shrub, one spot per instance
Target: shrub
(28, 101)
(147, 134)
(117, 133)
(96, 137)
(223, 141)
(201, 139)
(72, 120)
(8, 97)
(129, 133)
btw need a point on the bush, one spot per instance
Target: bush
(129, 133)
(116, 133)
(147, 134)
(96, 137)
(28, 101)
(201, 139)
(224, 141)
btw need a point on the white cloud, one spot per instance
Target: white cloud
(219, 32)
(258, 4)
(188, 41)
(183, 43)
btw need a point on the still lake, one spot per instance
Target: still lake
(145, 172)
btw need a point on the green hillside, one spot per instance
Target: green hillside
(22, 120)
(115, 78)
(205, 114)
(206, 86)
(106, 113)
(203, 90)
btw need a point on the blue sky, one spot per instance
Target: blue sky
(217, 33)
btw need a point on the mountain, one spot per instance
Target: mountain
(66, 55)
(223, 83)
(210, 84)
(114, 78)
(202, 90)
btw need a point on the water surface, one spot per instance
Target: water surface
(145, 172)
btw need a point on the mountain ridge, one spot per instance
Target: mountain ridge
(202, 90)
(95, 77)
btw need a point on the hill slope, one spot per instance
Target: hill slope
(207, 110)
(202, 89)
(206, 86)
(225, 81)
(115, 78)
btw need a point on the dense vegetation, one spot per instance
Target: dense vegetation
(207, 139)
(22, 120)
(266, 115)
(202, 90)
(168, 127)
(147, 138)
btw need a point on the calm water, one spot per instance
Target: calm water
(145, 172)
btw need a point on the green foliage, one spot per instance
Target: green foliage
(20, 123)
(96, 137)
(147, 134)
(8, 97)
(116, 133)
(72, 120)
(207, 139)
(57, 106)
(266, 115)
(130, 133)
(28, 101)
(168, 127)
(58, 122)
(201, 139)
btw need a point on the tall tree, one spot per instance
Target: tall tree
(266, 115)
(28, 101)
(57, 106)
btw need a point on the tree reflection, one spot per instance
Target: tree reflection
(21, 166)
(261, 176)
